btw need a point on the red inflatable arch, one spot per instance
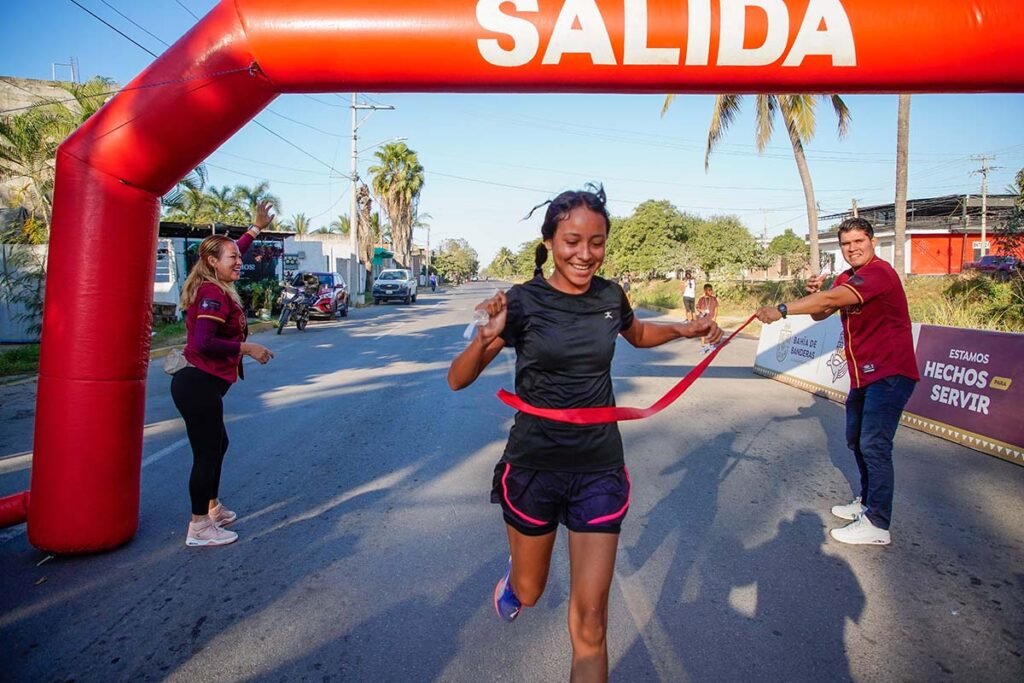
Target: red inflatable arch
(112, 172)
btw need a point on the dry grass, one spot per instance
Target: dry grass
(976, 302)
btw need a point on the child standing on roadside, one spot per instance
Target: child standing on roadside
(707, 307)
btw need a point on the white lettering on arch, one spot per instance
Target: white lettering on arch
(836, 39)
(525, 38)
(635, 48)
(734, 29)
(590, 38)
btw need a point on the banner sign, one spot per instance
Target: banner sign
(806, 354)
(972, 381)
(971, 389)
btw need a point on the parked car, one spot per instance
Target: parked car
(394, 283)
(330, 299)
(1001, 267)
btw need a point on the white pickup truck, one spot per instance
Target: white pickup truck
(394, 283)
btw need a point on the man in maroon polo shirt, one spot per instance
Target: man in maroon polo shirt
(882, 367)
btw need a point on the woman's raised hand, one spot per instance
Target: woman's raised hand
(262, 216)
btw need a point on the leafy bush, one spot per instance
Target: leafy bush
(19, 361)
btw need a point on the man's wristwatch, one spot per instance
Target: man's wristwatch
(783, 310)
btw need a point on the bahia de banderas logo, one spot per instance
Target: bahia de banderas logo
(785, 340)
(837, 361)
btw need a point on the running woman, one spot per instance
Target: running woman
(216, 341)
(563, 329)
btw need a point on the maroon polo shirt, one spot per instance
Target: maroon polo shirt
(214, 304)
(877, 333)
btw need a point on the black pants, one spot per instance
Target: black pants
(199, 397)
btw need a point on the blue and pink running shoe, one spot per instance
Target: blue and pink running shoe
(506, 604)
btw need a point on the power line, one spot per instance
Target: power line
(112, 27)
(144, 86)
(292, 144)
(187, 9)
(136, 24)
(307, 125)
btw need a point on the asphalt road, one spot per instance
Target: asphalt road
(368, 549)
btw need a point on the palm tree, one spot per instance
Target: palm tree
(224, 205)
(902, 143)
(798, 114)
(28, 145)
(339, 226)
(298, 224)
(504, 263)
(28, 141)
(192, 206)
(367, 230)
(173, 203)
(250, 197)
(398, 181)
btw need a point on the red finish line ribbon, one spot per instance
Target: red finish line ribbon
(601, 415)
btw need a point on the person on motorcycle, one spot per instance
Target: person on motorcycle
(311, 283)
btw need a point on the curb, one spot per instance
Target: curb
(255, 328)
(14, 380)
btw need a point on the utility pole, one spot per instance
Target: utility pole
(983, 172)
(853, 205)
(353, 221)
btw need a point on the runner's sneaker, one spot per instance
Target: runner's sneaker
(861, 532)
(850, 511)
(506, 604)
(208, 533)
(221, 516)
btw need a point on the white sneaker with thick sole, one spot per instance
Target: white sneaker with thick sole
(207, 533)
(861, 532)
(851, 511)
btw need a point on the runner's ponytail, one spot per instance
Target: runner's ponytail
(540, 256)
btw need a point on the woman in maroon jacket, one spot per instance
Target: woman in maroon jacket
(217, 332)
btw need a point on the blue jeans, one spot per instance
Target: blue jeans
(872, 415)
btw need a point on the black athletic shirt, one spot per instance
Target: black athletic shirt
(564, 346)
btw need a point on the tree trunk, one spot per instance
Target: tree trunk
(812, 209)
(902, 143)
(364, 238)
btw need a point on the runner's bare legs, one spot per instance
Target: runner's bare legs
(591, 565)
(531, 560)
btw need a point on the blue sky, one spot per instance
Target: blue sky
(490, 158)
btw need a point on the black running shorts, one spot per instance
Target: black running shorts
(534, 502)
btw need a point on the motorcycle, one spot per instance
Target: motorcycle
(296, 307)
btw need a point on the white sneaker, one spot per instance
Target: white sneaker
(851, 511)
(861, 532)
(208, 533)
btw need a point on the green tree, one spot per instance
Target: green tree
(297, 224)
(723, 243)
(791, 249)
(339, 226)
(526, 258)
(29, 141)
(798, 115)
(648, 242)
(456, 260)
(174, 202)
(225, 207)
(1009, 235)
(503, 264)
(248, 198)
(398, 180)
